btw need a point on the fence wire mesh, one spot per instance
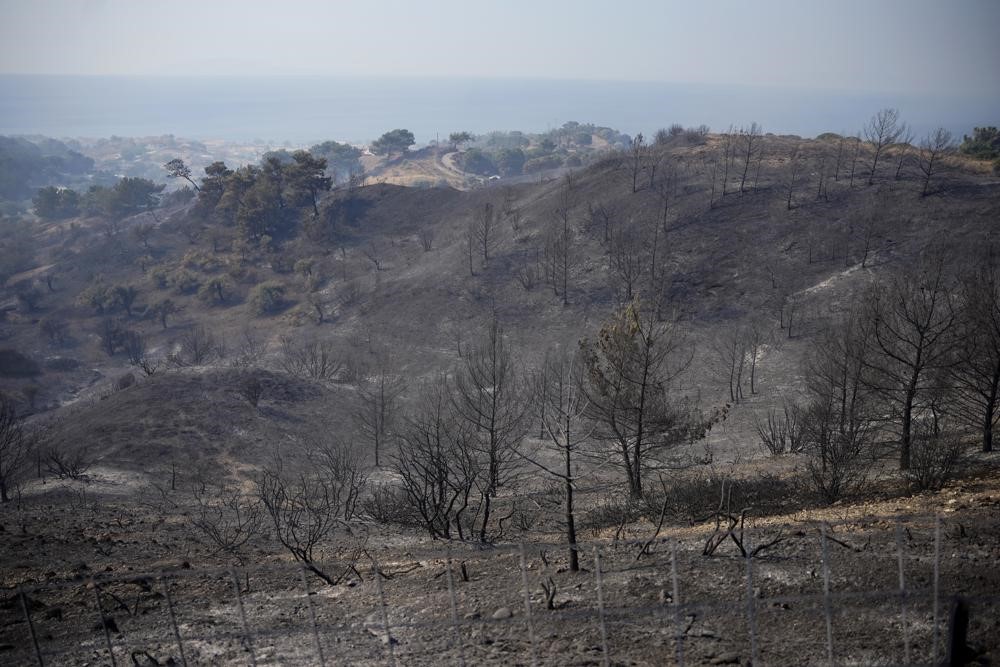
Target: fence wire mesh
(871, 591)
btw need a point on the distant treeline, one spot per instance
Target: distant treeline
(28, 165)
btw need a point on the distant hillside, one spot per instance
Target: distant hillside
(400, 274)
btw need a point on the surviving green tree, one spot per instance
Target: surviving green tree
(393, 141)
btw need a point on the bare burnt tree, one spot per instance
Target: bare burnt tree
(791, 178)
(305, 515)
(881, 131)
(731, 353)
(601, 217)
(903, 147)
(821, 178)
(318, 304)
(312, 359)
(854, 159)
(378, 402)
(756, 171)
(755, 339)
(227, 518)
(911, 325)
(437, 467)
(654, 253)
(470, 245)
(485, 230)
(840, 419)
(666, 190)
(728, 155)
(16, 447)
(935, 146)
(976, 376)
(788, 308)
(110, 333)
(749, 140)
(871, 231)
(134, 345)
(712, 169)
(561, 256)
(629, 369)
(373, 252)
(251, 388)
(628, 260)
(342, 467)
(636, 161)
(250, 349)
(488, 393)
(197, 346)
(840, 158)
(529, 271)
(563, 406)
(426, 236)
(781, 432)
(67, 461)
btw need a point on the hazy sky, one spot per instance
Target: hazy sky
(899, 46)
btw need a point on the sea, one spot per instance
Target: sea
(299, 110)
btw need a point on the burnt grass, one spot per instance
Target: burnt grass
(130, 546)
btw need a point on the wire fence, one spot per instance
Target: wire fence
(865, 591)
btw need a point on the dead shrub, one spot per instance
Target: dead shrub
(935, 458)
(781, 433)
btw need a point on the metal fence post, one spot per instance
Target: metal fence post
(606, 661)
(243, 618)
(678, 631)
(31, 626)
(391, 656)
(937, 584)
(173, 620)
(104, 622)
(312, 616)
(527, 606)
(902, 592)
(456, 634)
(827, 606)
(751, 604)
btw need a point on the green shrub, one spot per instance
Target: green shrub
(983, 144)
(184, 282)
(543, 163)
(160, 277)
(98, 296)
(200, 261)
(216, 290)
(476, 161)
(267, 298)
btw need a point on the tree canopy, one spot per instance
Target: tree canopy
(340, 158)
(983, 144)
(457, 139)
(265, 200)
(52, 203)
(477, 162)
(393, 141)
